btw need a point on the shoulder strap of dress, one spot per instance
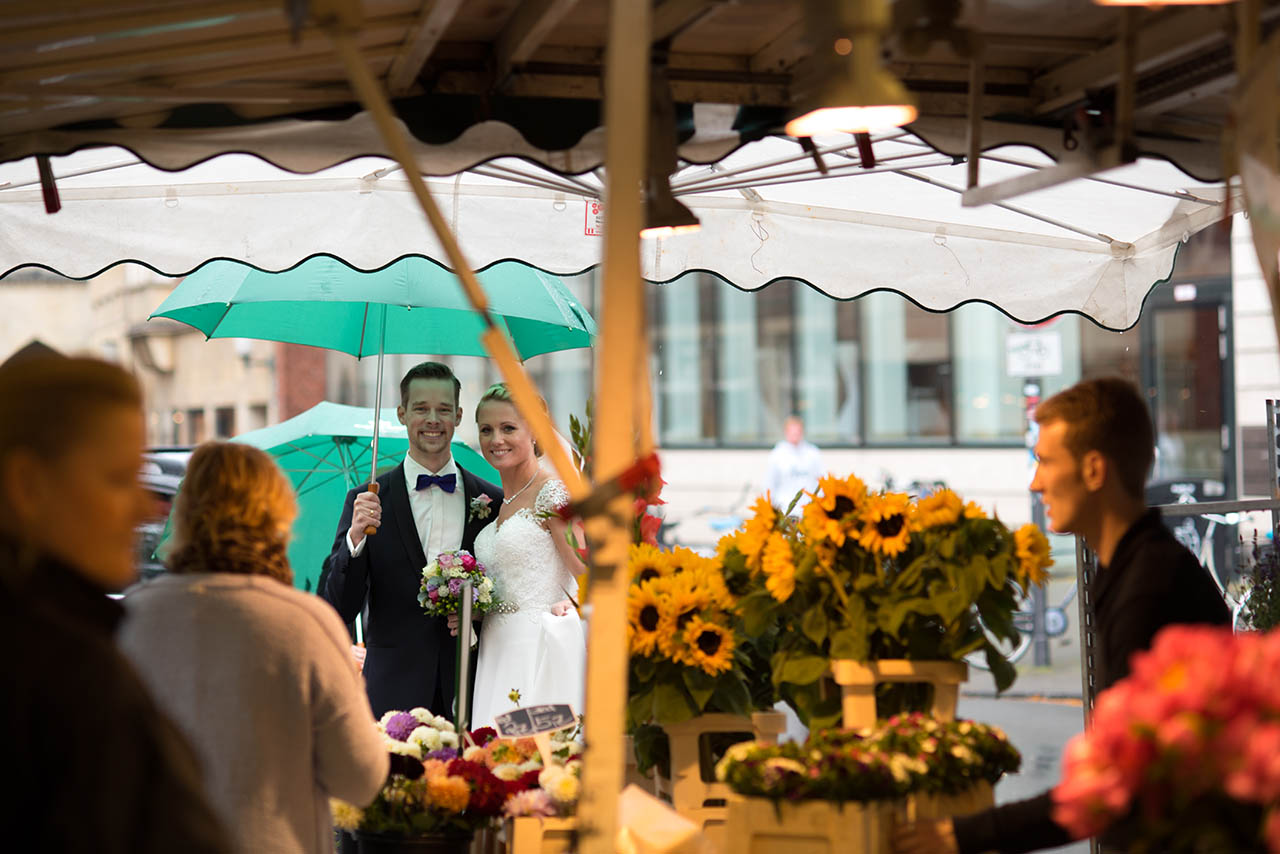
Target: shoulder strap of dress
(551, 497)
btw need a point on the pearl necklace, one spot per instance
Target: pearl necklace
(521, 489)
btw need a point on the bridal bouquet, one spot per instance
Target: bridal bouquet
(1183, 755)
(442, 584)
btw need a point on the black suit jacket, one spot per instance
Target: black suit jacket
(411, 659)
(1152, 582)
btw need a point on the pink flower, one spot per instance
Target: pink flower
(468, 562)
(1271, 830)
(434, 594)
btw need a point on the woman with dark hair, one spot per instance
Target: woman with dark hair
(90, 762)
(258, 674)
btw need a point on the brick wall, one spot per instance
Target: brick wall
(300, 378)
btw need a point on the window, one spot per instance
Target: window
(195, 426)
(906, 370)
(224, 422)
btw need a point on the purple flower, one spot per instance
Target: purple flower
(433, 583)
(401, 725)
(444, 754)
(475, 594)
(455, 584)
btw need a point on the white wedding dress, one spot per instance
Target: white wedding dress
(525, 647)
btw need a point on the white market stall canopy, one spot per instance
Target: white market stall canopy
(1095, 246)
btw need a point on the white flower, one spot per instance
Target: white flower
(431, 570)
(574, 767)
(528, 765)
(486, 584)
(550, 775)
(485, 597)
(345, 815)
(404, 748)
(781, 763)
(426, 738)
(506, 772)
(565, 789)
(442, 723)
(386, 719)
(735, 753)
(423, 715)
(473, 754)
(448, 739)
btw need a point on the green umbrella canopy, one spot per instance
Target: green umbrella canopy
(325, 452)
(325, 303)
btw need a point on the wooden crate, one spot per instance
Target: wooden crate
(930, 806)
(758, 826)
(532, 835)
(858, 680)
(700, 801)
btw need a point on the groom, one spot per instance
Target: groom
(424, 506)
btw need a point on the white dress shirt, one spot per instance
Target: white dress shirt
(791, 469)
(439, 516)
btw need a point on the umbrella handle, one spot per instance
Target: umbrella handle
(370, 531)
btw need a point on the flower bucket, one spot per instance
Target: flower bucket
(436, 843)
(762, 826)
(536, 835)
(858, 680)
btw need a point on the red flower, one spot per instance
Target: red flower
(488, 793)
(484, 735)
(526, 781)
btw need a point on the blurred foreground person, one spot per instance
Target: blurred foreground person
(259, 675)
(90, 763)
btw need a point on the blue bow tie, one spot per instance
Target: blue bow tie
(446, 482)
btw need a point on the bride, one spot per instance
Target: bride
(534, 643)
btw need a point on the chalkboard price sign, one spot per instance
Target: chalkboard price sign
(532, 720)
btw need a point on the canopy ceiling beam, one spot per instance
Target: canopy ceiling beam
(67, 28)
(672, 17)
(281, 66)
(1170, 36)
(258, 94)
(182, 52)
(527, 28)
(426, 32)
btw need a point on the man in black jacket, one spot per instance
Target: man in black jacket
(1093, 455)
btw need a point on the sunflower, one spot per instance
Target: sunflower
(688, 595)
(684, 561)
(779, 568)
(886, 524)
(972, 510)
(647, 563)
(1032, 548)
(644, 617)
(710, 576)
(710, 646)
(941, 508)
(831, 515)
(751, 539)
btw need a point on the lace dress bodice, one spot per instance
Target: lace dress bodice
(521, 556)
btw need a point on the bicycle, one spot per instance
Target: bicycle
(1202, 547)
(1055, 626)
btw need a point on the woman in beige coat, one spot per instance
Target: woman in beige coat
(258, 674)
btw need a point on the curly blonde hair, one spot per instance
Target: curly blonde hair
(233, 514)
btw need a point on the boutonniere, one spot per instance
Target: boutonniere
(480, 508)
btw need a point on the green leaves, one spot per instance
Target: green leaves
(671, 705)
(758, 611)
(851, 643)
(801, 669)
(814, 624)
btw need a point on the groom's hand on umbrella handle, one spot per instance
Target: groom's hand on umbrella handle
(366, 514)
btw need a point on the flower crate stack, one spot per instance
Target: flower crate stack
(864, 606)
(443, 791)
(695, 678)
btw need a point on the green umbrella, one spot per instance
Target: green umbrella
(411, 306)
(324, 451)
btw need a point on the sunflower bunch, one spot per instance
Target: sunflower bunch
(867, 575)
(684, 635)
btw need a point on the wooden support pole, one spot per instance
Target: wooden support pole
(523, 393)
(626, 115)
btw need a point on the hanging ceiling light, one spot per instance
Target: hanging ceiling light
(849, 91)
(664, 214)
